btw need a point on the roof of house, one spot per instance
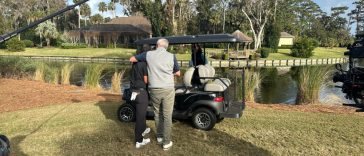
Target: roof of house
(286, 35)
(238, 34)
(137, 21)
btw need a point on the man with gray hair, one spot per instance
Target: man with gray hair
(162, 66)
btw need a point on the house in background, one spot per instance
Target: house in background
(286, 39)
(119, 31)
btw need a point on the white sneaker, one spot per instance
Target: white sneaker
(168, 146)
(144, 142)
(147, 130)
(159, 141)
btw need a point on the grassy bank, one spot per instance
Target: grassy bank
(83, 52)
(126, 53)
(92, 129)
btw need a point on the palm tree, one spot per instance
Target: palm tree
(112, 7)
(85, 11)
(78, 13)
(96, 19)
(47, 30)
(102, 7)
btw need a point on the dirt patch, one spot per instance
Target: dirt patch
(23, 94)
(318, 108)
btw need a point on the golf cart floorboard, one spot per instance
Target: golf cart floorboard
(234, 111)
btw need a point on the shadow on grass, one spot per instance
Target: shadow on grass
(117, 138)
(17, 140)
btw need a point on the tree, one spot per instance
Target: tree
(102, 7)
(96, 19)
(272, 36)
(215, 20)
(78, 13)
(85, 11)
(112, 7)
(48, 31)
(357, 15)
(224, 4)
(257, 12)
(170, 7)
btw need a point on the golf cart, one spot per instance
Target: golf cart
(206, 101)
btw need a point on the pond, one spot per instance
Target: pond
(278, 85)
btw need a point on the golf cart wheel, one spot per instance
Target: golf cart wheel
(126, 113)
(204, 119)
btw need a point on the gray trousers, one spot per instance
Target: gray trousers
(163, 101)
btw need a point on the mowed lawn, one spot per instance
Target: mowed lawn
(92, 128)
(284, 54)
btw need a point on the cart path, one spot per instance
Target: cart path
(24, 94)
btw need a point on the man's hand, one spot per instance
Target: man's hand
(177, 73)
(133, 59)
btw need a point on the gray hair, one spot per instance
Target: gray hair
(162, 43)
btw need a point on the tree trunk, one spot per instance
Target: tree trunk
(48, 42)
(79, 18)
(40, 38)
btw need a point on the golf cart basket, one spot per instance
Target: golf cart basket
(353, 79)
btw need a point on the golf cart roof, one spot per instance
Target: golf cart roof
(192, 39)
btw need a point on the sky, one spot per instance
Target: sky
(95, 8)
(327, 4)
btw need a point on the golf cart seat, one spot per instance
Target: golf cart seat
(212, 83)
(187, 81)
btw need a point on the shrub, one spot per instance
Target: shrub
(264, 52)
(310, 79)
(28, 43)
(14, 45)
(93, 75)
(16, 67)
(303, 47)
(2, 45)
(285, 47)
(66, 73)
(39, 74)
(73, 45)
(116, 81)
(252, 81)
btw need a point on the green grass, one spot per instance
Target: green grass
(284, 54)
(82, 52)
(86, 52)
(93, 129)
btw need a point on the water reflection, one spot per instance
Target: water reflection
(278, 85)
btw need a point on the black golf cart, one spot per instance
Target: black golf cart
(206, 101)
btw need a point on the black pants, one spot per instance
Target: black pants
(141, 104)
